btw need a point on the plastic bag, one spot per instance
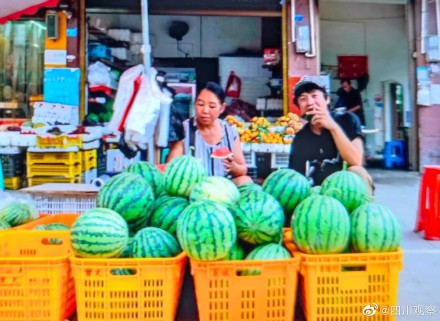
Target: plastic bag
(127, 90)
(98, 74)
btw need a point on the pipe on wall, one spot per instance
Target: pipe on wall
(312, 52)
(423, 26)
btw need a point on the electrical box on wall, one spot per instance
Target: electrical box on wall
(52, 25)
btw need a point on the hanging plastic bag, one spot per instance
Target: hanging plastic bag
(233, 86)
(129, 84)
(142, 117)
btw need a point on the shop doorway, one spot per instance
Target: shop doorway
(378, 31)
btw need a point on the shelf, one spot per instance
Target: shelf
(106, 39)
(118, 65)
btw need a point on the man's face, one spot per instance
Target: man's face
(346, 86)
(312, 100)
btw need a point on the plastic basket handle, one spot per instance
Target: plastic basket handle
(353, 267)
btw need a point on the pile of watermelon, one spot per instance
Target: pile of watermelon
(146, 213)
(340, 217)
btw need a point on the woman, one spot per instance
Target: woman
(206, 132)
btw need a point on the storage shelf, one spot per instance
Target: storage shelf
(99, 36)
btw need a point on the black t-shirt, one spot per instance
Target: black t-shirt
(351, 99)
(320, 150)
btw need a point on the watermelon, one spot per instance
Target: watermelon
(137, 224)
(215, 188)
(150, 173)
(374, 228)
(99, 232)
(221, 153)
(320, 225)
(153, 242)
(127, 194)
(316, 190)
(122, 272)
(40, 227)
(236, 253)
(4, 225)
(17, 213)
(206, 231)
(289, 187)
(126, 252)
(266, 252)
(57, 227)
(182, 174)
(166, 211)
(248, 187)
(348, 188)
(259, 218)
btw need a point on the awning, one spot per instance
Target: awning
(14, 9)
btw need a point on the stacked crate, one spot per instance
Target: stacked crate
(13, 169)
(89, 165)
(54, 167)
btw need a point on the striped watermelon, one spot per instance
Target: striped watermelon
(248, 187)
(266, 252)
(316, 190)
(4, 225)
(127, 194)
(150, 173)
(320, 225)
(153, 242)
(236, 253)
(166, 211)
(57, 227)
(122, 272)
(182, 174)
(289, 187)
(40, 227)
(259, 218)
(206, 231)
(137, 224)
(17, 213)
(348, 188)
(99, 232)
(374, 228)
(126, 252)
(215, 188)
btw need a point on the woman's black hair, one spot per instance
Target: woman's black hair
(216, 89)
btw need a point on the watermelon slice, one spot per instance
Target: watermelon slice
(221, 153)
(161, 167)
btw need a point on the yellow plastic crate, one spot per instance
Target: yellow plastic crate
(89, 154)
(68, 171)
(336, 287)
(150, 293)
(13, 183)
(89, 164)
(69, 158)
(35, 276)
(33, 181)
(224, 293)
(62, 141)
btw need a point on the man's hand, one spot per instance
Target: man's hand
(322, 118)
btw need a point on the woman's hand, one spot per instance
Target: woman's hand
(230, 165)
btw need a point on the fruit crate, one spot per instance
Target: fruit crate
(336, 287)
(279, 160)
(12, 164)
(67, 219)
(35, 278)
(66, 158)
(89, 164)
(34, 181)
(67, 171)
(250, 159)
(224, 293)
(62, 141)
(12, 183)
(56, 198)
(150, 292)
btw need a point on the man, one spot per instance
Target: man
(350, 98)
(327, 139)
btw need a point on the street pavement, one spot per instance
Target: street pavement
(419, 281)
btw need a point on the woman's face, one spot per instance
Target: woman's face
(208, 107)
